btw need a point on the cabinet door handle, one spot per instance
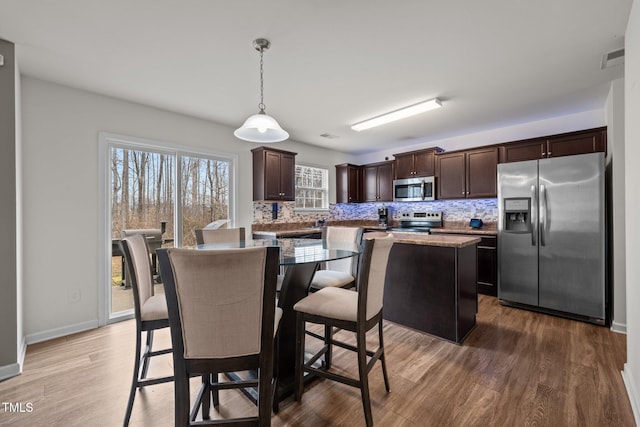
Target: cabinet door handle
(549, 154)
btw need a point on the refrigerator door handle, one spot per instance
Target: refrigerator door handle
(534, 220)
(543, 214)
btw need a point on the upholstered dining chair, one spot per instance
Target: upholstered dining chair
(150, 313)
(342, 272)
(351, 311)
(223, 319)
(225, 235)
(219, 235)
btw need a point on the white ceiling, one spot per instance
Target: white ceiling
(332, 63)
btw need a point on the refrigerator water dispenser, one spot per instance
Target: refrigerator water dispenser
(517, 215)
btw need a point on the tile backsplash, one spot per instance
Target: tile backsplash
(452, 211)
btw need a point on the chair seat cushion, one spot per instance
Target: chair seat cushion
(335, 303)
(331, 278)
(154, 308)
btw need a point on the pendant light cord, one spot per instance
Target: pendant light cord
(261, 106)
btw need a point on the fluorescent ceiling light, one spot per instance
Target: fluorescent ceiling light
(402, 113)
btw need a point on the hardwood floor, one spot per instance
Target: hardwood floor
(517, 368)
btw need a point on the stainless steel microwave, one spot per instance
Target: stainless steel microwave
(414, 189)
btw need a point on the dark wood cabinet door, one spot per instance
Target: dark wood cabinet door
(482, 173)
(578, 143)
(424, 163)
(415, 164)
(348, 183)
(370, 183)
(450, 178)
(272, 175)
(355, 184)
(488, 266)
(526, 150)
(404, 166)
(287, 177)
(385, 182)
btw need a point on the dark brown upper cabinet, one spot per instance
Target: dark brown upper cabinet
(566, 144)
(273, 174)
(378, 182)
(467, 174)
(415, 164)
(348, 183)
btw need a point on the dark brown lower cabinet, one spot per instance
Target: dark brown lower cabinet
(432, 289)
(488, 266)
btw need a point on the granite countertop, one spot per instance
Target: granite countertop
(285, 233)
(489, 229)
(428, 239)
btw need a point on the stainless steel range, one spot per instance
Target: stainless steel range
(419, 222)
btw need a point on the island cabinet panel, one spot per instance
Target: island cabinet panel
(432, 289)
(348, 183)
(273, 174)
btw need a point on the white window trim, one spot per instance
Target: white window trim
(107, 140)
(312, 210)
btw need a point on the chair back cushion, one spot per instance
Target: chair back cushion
(343, 235)
(141, 266)
(219, 235)
(376, 274)
(220, 297)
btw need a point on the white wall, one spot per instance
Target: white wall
(60, 211)
(572, 122)
(615, 174)
(631, 372)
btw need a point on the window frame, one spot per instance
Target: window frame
(325, 189)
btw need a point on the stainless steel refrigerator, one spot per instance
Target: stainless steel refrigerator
(551, 236)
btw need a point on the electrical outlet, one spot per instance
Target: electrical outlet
(74, 295)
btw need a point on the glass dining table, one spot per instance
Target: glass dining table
(300, 259)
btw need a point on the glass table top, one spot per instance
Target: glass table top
(295, 251)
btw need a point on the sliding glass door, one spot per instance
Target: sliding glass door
(164, 194)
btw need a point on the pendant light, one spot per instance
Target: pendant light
(261, 127)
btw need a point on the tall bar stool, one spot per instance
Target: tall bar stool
(351, 311)
(150, 312)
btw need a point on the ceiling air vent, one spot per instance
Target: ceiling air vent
(613, 58)
(329, 136)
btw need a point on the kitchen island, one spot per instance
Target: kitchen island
(431, 284)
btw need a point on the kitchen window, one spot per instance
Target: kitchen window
(312, 188)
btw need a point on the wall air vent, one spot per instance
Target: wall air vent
(613, 58)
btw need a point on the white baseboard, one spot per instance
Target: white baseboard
(22, 352)
(620, 328)
(634, 397)
(61, 332)
(14, 369)
(9, 371)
